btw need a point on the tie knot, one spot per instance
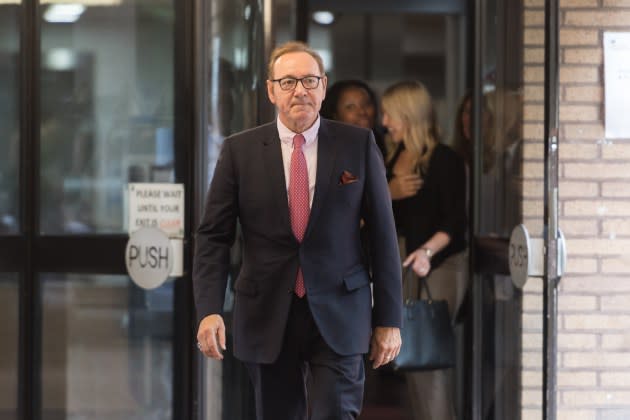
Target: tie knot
(298, 141)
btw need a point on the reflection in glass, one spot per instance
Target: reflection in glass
(285, 16)
(107, 349)
(9, 334)
(502, 120)
(106, 110)
(232, 76)
(499, 206)
(232, 71)
(9, 118)
(501, 176)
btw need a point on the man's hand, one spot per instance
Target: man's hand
(211, 335)
(404, 186)
(385, 345)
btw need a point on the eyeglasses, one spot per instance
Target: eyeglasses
(290, 83)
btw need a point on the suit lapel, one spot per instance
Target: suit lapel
(272, 156)
(326, 154)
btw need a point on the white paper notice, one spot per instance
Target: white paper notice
(617, 84)
(155, 205)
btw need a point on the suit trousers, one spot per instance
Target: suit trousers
(308, 380)
(432, 391)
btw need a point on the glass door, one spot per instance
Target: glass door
(508, 179)
(91, 99)
(232, 73)
(106, 112)
(10, 217)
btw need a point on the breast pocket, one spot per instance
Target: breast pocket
(350, 193)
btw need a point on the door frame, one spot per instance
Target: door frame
(29, 253)
(491, 255)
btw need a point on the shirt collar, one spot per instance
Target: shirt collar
(286, 135)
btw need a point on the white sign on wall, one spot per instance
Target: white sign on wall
(617, 83)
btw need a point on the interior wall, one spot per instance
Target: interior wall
(388, 48)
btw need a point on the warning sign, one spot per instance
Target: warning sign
(158, 206)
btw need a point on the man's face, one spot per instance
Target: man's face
(297, 108)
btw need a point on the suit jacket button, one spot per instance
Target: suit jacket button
(289, 291)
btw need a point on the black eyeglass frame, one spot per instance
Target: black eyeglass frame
(301, 80)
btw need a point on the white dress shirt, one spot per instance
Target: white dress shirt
(310, 154)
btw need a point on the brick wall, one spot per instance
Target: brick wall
(594, 298)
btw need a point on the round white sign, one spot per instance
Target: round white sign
(149, 257)
(519, 257)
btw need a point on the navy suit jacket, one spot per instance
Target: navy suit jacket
(249, 186)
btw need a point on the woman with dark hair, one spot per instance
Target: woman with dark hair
(353, 102)
(462, 135)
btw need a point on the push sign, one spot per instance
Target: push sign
(526, 256)
(156, 230)
(149, 257)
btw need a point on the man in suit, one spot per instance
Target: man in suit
(299, 187)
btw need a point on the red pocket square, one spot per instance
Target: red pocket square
(347, 178)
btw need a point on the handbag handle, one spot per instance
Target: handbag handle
(423, 282)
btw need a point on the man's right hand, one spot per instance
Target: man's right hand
(211, 336)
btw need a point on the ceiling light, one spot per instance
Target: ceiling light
(64, 13)
(85, 2)
(323, 17)
(60, 59)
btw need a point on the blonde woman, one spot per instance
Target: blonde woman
(427, 182)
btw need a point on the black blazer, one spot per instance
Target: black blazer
(440, 205)
(249, 185)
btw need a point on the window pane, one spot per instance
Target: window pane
(505, 384)
(232, 71)
(9, 118)
(107, 349)
(502, 120)
(232, 74)
(107, 109)
(9, 332)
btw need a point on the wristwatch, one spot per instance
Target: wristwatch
(427, 251)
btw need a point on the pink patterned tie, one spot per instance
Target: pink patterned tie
(299, 208)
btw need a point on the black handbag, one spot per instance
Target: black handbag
(428, 340)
